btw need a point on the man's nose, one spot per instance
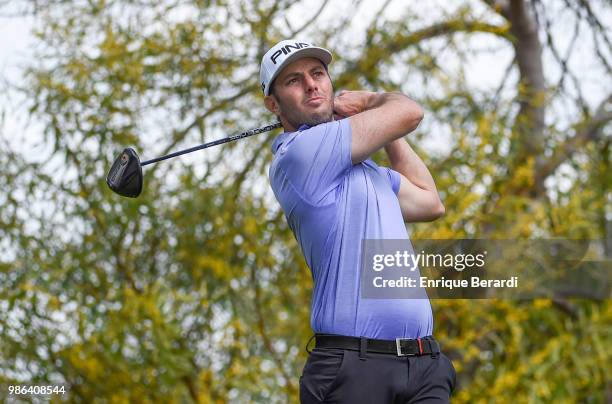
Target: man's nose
(310, 83)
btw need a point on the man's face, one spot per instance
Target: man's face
(303, 94)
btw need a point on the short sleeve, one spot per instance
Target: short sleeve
(393, 176)
(317, 159)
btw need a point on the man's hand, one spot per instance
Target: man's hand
(376, 119)
(349, 103)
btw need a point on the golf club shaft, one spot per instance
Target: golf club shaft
(247, 133)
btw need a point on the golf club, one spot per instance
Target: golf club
(125, 176)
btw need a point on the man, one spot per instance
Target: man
(333, 197)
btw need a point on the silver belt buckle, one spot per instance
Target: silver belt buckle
(399, 347)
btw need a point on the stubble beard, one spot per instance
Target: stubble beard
(297, 118)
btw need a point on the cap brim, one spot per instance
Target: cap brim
(322, 54)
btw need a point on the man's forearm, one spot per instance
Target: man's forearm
(405, 161)
(409, 108)
(375, 100)
(377, 119)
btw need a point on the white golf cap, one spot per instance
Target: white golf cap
(285, 52)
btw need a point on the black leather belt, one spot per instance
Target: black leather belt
(399, 346)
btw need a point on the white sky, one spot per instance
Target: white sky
(15, 51)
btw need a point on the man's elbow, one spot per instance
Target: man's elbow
(439, 210)
(413, 116)
(436, 210)
(427, 213)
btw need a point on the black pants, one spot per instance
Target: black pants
(334, 375)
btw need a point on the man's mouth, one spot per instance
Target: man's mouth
(315, 100)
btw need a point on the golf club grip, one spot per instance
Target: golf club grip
(247, 133)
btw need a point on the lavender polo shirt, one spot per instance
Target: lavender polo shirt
(331, 205)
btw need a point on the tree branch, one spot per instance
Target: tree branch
(297, 31)
(398, 42)
(551, 45)
(592, 18)
(501, 7)
(342, 23)
(193, 392)
(566, 307)
(591, 131)
(262, 331)
(507, 72)
(597, 28)
(529, 59)
(179, 135)
(532, 86)
(449, 27)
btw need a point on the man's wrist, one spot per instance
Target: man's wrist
(375, 100)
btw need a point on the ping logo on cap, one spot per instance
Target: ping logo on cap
(285, 50)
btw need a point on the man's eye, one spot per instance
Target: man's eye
(318, 73)
(292, 81)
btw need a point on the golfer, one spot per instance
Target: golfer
(334, 196)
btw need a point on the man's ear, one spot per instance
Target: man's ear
(272, 105)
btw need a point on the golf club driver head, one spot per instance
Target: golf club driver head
(125, 176)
